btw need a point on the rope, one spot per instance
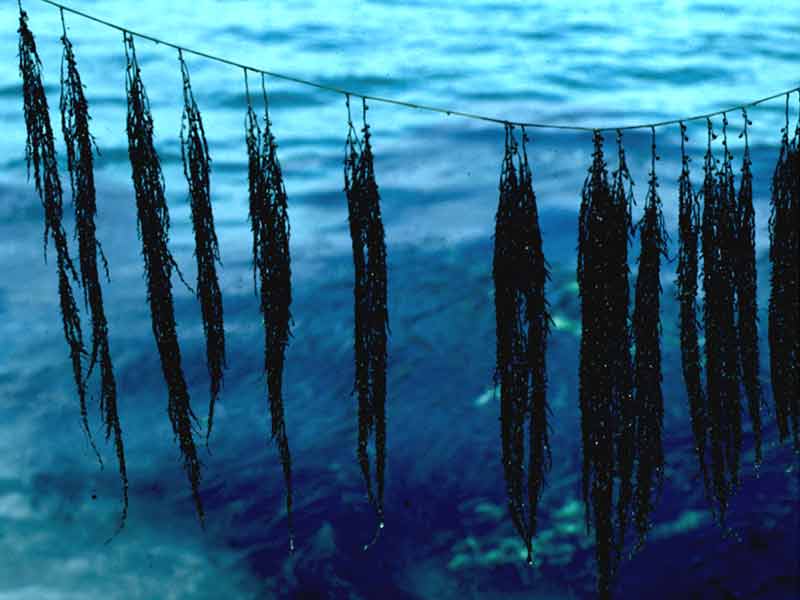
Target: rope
(446, 111)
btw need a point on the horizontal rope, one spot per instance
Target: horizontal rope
(446, 111)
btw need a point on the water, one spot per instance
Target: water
(447, 532)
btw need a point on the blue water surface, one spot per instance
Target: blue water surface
(447, 534)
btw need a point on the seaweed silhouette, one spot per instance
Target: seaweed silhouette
(80, 163)
(721, 349)
(153, 229)
(371, 309)
(520, 273)
(269, 222)
(649, 400)
(41, 154)
(746, 288)
(605, 372)
(197, 169)
(686, 284)
(784, 304)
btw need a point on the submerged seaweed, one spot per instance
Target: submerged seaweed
(153, 227)
(721, 349)
(41, 154)
(784, 298)
(649, 400)
(520, 273)
(746, 299)
(606, 394)
(686, 284)
(371, 309)
(197, 169)
(80, 163)
(269, 222)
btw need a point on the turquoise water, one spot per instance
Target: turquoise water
(447, 533)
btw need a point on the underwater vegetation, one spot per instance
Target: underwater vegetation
(269, 222)
(523, 323)
(371, 307)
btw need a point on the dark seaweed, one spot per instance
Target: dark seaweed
(520, 273)
(649, 400)
(605, 372)
(80, 163)
(746, 298)
(40, 152)
(197, 169)
(269, 222)
(153, 229)
(686, 284)
(371, 309)
(718, 248)
(784, 304)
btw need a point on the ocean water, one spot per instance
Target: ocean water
(448, 534)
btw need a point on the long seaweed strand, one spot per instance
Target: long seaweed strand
(371, 309)
(80, 163)
(686, 283)
(40, 152)
(269, 222)
(746, 299)
(718, 312)
(520, 273)
(197, 169)
(784, 304)
(607, 418)
(647, 358)
(153, 228)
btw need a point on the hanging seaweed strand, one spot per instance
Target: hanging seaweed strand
(153, 227)
(269, 222)
(520, 273)
(746, 301)
(40, 152)
(371, 309)
(784, 304)
(605, 390)
(80, 163)
(197, 169)
(686, 283)
(724, 418)
(649, 400)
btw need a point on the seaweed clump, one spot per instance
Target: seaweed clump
(784, 298)
(41, 154)
(686, 285)
(371, 309)
(520, 273)
(721, 349)
(269, 222)
(153, 229)
(649, 400)
(80, 163)
(605, 372)
(197, 169)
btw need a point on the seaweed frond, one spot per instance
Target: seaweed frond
(784, 301)
(686, 285)
(269, 221)
(80, 163)
(520, 273)
(371, 308)
(746, 297)
(197, 169)
(649, 399)
(153, 228)
(40, 153)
